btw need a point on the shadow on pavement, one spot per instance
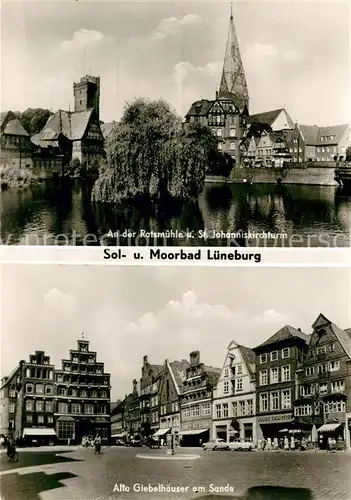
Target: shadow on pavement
(29, 486)
(265, 493)
(30, 459)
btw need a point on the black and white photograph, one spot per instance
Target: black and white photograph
(221, 383)
(176, 123)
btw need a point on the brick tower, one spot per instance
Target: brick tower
(87, 94)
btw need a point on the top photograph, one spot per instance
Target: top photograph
(176, 124)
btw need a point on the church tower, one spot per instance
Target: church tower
(87, 94)
(233, 82)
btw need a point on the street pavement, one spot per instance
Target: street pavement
(141, 473)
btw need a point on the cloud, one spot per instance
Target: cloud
(59, 301)
(271, 316)
(184, 69)
(83, 38)
(259, 55)
(172, 25)
(292, 55)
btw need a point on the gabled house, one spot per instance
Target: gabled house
(15, 145)
(324, 383)
(196, 401)
(277, 119)
(150, 375)
(170, 389)
(234, 405)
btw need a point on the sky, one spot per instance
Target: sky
(164, 312)
(296, 55)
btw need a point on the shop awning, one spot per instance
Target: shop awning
(193, 432)
(30, 431)
(121, 435)
(328, 427)
(161, 432)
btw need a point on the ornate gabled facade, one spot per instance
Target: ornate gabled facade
(82, 406)
(15, 145)
(324, 383)
(196, 401)
(233, 82)
(234, 404)
(170, 389)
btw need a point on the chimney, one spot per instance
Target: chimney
(135, 385)
(299, 329)
(145, 360)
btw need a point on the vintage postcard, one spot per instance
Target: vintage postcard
(176, 123)
(221, 383)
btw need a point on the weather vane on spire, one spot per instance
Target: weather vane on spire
(82, 335)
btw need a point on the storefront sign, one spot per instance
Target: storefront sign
(274, 419)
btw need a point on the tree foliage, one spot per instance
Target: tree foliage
(33, 119)
(152, 155)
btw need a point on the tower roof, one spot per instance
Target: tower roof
(233, 80)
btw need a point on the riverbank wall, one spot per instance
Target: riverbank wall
(321, 174)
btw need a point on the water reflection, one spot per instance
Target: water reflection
(63, 214)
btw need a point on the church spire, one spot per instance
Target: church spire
(233, 82)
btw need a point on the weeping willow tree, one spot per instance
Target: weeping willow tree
(152, 155)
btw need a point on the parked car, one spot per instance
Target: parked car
(120, 442)
(215, 444)
(241, 446)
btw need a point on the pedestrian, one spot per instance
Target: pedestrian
(259, 444)
(292, 443)
(269, 444)
(275, 444)
(286, 443)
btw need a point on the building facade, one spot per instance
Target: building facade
(82, 396)
(234, 404)
(324, 383)
(132, 420)
(15, 145)
(277, 362)
(148, 392)
(170, 389)
(196, 402)
(27, 401)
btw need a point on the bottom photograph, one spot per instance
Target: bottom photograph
(175, 382)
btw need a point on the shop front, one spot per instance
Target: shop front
(38, 436)
(221, 432)
(194, 437)
(274, 426)
(330, 431)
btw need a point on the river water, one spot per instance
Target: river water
(236, 215)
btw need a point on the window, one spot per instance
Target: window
(242, 408)
(48, 405)
(206, 409)
(234, 408)
(88, 409)
(61, 391)
(239, 384)
(83, 393)
(274, 355)
(225, 410)
(333, 366)
(226, 387)
(226, 372)
(321, 350)
(39, 389)
(48, 389)
(40, 419)
(232, 132)
(263, 402)
(101, 409)
(310, 370)
(29, 388)
(332, 347)
(12, 393)
(12, 408)
(29, 405)
(286, 352)
(29, 419)
(303, 410)
(219, 132)
(232, 146)
(219, 145)
(274, 400)
(263, 358)
(285, 373)
(286, 399)
(250, 407)
(39, 405)
(75, 408)
(322, 369)
(218, 411)
(239, 369)
(66, 430)
(62, 408)
(50, 420)
(338, 386)
(263, 377)
(274, 375)
(323, 388)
